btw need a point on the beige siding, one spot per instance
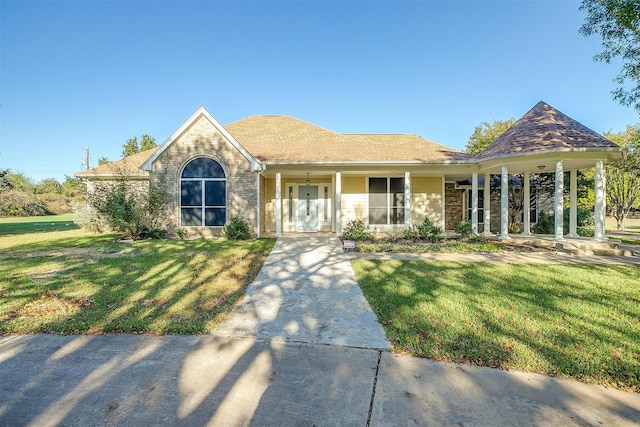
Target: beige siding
(426, 199)
(354, 199)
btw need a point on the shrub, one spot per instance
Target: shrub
(236, 229)
(427, 230)
(545, 225)
(356, 230)
(464, 228)
(584, 218)
(130, 210)
(20, 203)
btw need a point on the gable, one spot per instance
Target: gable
(201, 114)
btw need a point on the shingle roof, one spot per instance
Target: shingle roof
(128, 166)
(285, 138)
(544, 128)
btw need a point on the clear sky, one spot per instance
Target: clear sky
(78, 74)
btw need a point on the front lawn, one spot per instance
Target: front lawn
(36, 224)
(72, 282)
(581, 322)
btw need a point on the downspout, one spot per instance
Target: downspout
(259, 169)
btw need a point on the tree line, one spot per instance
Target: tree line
(22, 196)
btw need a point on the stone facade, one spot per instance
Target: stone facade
(202, 139)
(453, 205)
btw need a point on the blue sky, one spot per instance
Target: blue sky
(79, 74)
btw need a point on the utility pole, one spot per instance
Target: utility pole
(85, 161)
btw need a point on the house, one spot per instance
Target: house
(285, 175)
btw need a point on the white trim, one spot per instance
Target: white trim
(258, 205)
(256, 165)
(504, 203)
(558, 203)
(486, 208)
(278, 205)
(474, 202)
(600, 203)
(527, 204)
(407, 200)
(338, 178)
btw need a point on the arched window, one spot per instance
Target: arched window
(203, 194)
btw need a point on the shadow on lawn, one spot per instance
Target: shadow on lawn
(528, 317)
(93, 285)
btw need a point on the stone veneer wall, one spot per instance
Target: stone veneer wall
(452, 205)
(203, 140)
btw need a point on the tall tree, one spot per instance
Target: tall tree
(131, 146)
(147, 142)
(618, 23)
(623, 176)
(485, 133)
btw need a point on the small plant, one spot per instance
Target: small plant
(464, 229)
(427, 230)
(236, 229)
(410, 233)
(545, 225)
(357, 230)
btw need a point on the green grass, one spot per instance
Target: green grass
(36, 224)
(72, 282)
(580, 322)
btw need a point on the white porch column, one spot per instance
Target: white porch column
(600, 208)
(527, 204)
(573, 203)
(558, 202)
(407, 200)
(338, 202)
(474, 202)
(278, 205)
(504, 204)
(333, 214)
(487, 204)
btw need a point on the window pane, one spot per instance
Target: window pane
(397, 185)
(215, 193)
(191, 217)
(377, 215)
(203, 167)
(191, 193)
(397, 216)
(397, 200)
(378, 200)
(377, 185)
(215, 217)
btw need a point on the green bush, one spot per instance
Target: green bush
(20, 203)
(130, 210)
(426, 230)
(584, 218)
(356, 230)
(464, 228)
(545, 224)
(236, 229)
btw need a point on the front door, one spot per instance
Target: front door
(308, 208)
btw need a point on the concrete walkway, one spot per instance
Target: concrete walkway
(280, 359)
(307, 292)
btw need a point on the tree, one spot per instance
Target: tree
(618, 23)
(48, 186)
(485, 133)
(131, 145)
(623, 176)
(147, 142)
(103, 161)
